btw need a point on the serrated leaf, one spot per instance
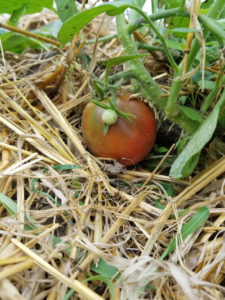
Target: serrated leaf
(188, 228)
(191, 114)
(81, 19)
(66, 9)
(188, 158)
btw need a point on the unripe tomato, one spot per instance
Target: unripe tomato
(127, 142)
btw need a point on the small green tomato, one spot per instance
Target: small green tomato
(109, 116)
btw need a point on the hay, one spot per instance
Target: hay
(62, 209)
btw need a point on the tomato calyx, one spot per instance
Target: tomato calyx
(112, 107)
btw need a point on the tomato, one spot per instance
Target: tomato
(127, 142)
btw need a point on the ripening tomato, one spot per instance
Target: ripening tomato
(127, 142)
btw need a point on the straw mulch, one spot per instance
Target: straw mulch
(62, 209)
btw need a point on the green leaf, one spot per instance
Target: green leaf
(32, 6)
(133, 14)
(9, 204)
(207, 74)
(66, 9)
(188, 228)
(158, 204)
(81, 19)
(174, 45)
(65, 167)
(168, 188)
(11, 207)
(176, 22)
(191, 114)
(188, 158)
(209, 85)
(14, 19)
(183, 99)
(147, 287)
(121, 59)
(181, 144)
(68, 295)
(10, 6)
(17, 43)
(104, 269)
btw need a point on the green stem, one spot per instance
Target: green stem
(212, 26)
(211, 96)
(213, 13)
(176, 86)
(164, 14)
(176, 12)
(171, 111)
(149, 87)
(149, 47)
(125, 75)
(160, 37)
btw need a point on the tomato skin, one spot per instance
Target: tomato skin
(127, 142)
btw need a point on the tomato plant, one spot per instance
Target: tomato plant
(128, 141)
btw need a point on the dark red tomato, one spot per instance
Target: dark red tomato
(127, 142)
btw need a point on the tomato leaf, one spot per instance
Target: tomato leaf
(14, 19)
(81, 19)
(191, 114)
(188, 158)
(10, 6)
(188, 228)
(32, 6)
(66, 9)
(175, 45)
(16, 43)
(209, 85)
